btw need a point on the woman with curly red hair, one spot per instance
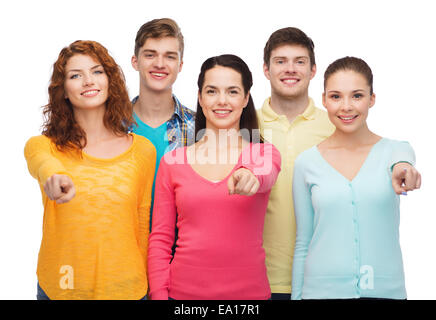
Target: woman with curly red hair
(95, 180)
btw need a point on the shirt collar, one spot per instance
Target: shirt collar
(270, 115)
(178, 109)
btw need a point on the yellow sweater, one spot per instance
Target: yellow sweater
(307, 130)
(95, 246)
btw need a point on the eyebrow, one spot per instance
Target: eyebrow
(283, 57)
(336, 91)
(78, 70)
(154, 51)
(213, 87)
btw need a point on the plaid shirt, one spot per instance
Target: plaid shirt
(181, 126)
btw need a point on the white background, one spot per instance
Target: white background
(396, 38)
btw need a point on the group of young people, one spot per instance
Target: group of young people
(147, 199)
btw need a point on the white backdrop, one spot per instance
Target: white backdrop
(396, 38)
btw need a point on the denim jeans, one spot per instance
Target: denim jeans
(40, 294)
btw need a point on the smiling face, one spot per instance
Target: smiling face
(289, 71)
(347, 98)
(158, 63)
(86, 83)
(222, 98)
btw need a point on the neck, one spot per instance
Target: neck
(91, 121)
(220, 139)
(358, 138)
(154, 107)
(290, 108)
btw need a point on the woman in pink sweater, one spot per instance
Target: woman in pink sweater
(216, 193)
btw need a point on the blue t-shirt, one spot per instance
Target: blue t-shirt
(157, 136)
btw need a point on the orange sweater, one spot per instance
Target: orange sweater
(95, 246)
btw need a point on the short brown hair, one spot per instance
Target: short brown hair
(59, 124)
(350, 63)
(159, 28)
(292, 36)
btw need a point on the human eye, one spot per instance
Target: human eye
(74, 76)
(172, 57)
(99, 71)
(334, 96)
(210, 91)
(301, 61)
(357, 95)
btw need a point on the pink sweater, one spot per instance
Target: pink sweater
(219, 251)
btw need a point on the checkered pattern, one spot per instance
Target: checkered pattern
(181, 126)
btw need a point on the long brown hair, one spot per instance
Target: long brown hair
(248, 117)
(59, 122)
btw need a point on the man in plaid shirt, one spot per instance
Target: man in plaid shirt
(159, 115)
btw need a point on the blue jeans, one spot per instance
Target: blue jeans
(40, 294)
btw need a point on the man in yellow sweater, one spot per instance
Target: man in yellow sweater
(290, 120)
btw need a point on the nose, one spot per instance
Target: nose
(290, 68)
(347, 104)
(159, 61)
(222, 99)
(88, 80)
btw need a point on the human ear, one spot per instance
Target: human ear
(181, 65)
(372, 100)
(323, 100)
(134, 62)
(313, 72)
(266, 71)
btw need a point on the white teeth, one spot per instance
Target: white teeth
(222, 111)
(347, 118)
(158, 74)
(291, 81)
(90, 93)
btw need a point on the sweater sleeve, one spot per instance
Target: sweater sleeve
(145, 199)
(163, 233)
(264, 160)
(304, 215)
(402, 151)
(41, 162)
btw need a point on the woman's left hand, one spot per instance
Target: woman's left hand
(243, 182)
(405, 178)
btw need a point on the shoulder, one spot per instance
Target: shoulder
(38, 142)
(143, 145)
(188, 114)
(393, 142)
(261, 148)
(322, 116)
(397, 146)
(306, 157)
(174, 157)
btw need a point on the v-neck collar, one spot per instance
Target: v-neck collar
(362, 168)
(215, 183)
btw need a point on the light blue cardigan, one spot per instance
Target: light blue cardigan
(347, 242)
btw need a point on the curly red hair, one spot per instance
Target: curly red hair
(60, 125)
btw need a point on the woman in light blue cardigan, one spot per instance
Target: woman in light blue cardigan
(346, 209)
